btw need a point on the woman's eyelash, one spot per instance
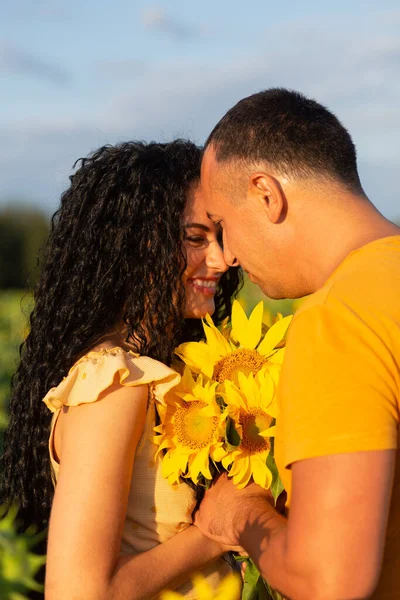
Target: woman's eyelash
(194, 238)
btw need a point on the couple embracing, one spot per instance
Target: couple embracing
(148, 239)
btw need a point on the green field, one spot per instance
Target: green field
(18, 565)
(14, 310)
(250, 295)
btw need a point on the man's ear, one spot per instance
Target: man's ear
(268, 192)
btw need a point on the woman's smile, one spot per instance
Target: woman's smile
(204, 285)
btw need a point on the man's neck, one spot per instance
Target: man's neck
(342, 230)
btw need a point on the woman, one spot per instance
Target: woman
(131, 265)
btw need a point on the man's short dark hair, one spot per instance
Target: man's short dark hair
(296, 136)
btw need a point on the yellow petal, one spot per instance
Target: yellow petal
(173, 479)
(255, 323)
(246, 331)
(218, 453)
(200, 463)
(249, 388)
(274, 335)
(210, 410)
(202, 588)
(267, 385)
(199, 356)
(271, 408)
(232, 395)
(270, 432)
(267, 319)
(218, 344)
(243, 473)
(174, 463)
(162, 408)
(210, 396)
(161, 447)
(187, 380)
(260, 472)
(227, 460)
(168, 595)
(230, 588)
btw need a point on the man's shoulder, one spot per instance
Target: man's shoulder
(368, 280)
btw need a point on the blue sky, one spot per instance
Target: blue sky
(75, 75)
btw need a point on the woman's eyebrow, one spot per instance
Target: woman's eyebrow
(198, 226)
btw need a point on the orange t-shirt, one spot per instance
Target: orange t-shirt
(339, 388)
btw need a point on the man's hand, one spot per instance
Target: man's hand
(224, 510)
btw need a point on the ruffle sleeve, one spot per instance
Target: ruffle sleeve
(96, 371)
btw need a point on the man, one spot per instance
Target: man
(279, 174)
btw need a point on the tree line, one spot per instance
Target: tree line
(23, 231)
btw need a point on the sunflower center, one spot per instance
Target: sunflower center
(244, 360)
(191, 427)
(252, 423)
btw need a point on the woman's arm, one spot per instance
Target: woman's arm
(165, 566)
(96, 451)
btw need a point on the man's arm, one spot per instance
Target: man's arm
(331, 546)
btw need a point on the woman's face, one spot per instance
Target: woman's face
(205, 259)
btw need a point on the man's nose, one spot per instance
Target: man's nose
(215, 258)
(229, 257)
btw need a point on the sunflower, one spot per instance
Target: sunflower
(229, 589)
(252, 408)
(191, 430)
(245, 348)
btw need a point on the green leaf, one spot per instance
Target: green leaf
(207, 483)
(250, 581)
(276, 485)
(232, 438)
(263, 590)
(273, 594)
(18, 566)
(220, 401)
(254, 587)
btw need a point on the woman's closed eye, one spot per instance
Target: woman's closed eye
(196, 241)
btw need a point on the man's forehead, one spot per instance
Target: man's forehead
(209, 162)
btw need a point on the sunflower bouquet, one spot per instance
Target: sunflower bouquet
(221, 416)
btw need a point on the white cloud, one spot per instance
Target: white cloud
(157, 18)
(17, 60)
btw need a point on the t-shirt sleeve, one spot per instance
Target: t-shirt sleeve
(338, 387)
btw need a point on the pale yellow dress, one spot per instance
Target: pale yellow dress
(156, 510)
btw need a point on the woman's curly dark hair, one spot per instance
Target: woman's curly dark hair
(114, 254)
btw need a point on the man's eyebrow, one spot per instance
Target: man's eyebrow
(198, 226)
